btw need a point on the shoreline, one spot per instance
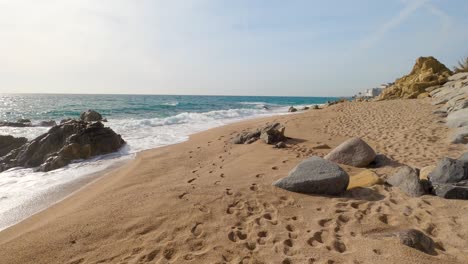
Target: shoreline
(62, 191)
(196, 200)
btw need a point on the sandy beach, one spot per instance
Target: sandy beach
(207, 200)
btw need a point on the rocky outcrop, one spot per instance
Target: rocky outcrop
(354, 152)
(427, 72)
(317, 176)
(407, 180)
(452, 99)
(91, 116)
(62, 144)
(270, 134)
(9, 143)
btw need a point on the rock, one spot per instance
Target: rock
(292, 109)
(416, 239)
(24, 121)
(457, 190)
(407, 180)
(270, 134)
(280, 144)
(427, 72)
(49, 123)
(432, 88)
(423, 95)
(321, 146)
(424, 172)
(458, 118)
(354, 152)
(315, 107)
(317, 176)
(9, 143)
(14, 124)
(449, 171)
(365, 178)
(459, 135)
(273, 134)
(65, 120)
(62, 144)
(90, 116)
(247, 137)
(305, 108)
(458, 76)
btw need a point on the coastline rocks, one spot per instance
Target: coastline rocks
(407, 180)
(62, 144)
(270, 134)
(292, 109)
(354, 152)
(426, 72)
(9, 143)
(91, 116)
(14, 124)
(449, 170)
(315, 176)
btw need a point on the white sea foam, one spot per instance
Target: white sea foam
(21, 186)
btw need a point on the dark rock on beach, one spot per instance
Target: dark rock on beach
(407, 180)
(292, 109)
(316, 176)
(9, 143)
(62, 144)
(354, 152)
(457, 190)
(416, 239)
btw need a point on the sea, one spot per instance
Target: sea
(143, 121)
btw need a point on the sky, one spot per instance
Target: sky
(216, 47)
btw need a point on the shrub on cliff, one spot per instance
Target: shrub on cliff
(462, 66)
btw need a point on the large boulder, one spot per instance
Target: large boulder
(247, 137)
(449, 170)
(90, 116)
(273, 134)
(9, 143)
(458, 118)
(317, 176)
(427, 72)
(407, 180)
(354, 152)
(62, 144)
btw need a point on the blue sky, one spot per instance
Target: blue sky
(242, 47)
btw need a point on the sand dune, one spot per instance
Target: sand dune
(209, 201)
